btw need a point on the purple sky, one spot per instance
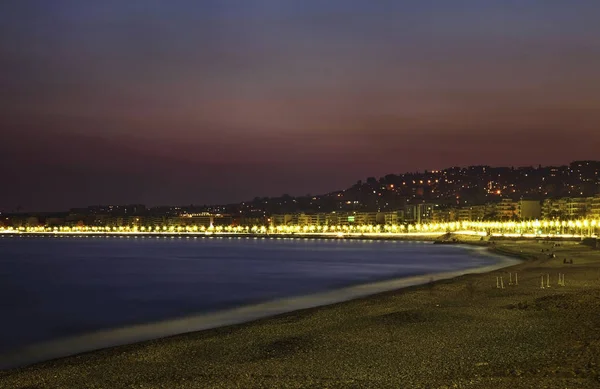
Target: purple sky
(180, 102)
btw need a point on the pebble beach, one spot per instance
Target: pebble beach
(518, 327)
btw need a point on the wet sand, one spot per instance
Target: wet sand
(462, 332)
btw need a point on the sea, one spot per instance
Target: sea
(63, 295)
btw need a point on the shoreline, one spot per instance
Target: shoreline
(102, 339)
(464, 237)
(426, 237)
(462, 329)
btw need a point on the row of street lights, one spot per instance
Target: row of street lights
(544, 227)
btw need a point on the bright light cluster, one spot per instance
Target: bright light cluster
(534, 228)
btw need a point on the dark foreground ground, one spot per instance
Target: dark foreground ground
(461, 333)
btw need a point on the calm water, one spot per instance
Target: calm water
(56, 287)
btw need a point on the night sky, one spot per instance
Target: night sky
(181, 102)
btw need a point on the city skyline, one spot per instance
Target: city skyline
(453, 186)
(204, 102)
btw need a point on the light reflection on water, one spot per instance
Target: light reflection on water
(52, 288)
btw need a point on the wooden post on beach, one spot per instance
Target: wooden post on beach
(542, 285)
(497, 282)
(548, 280)
(502, 282)
(509, 278)
(516, 279)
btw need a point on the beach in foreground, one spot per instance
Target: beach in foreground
(462, 332)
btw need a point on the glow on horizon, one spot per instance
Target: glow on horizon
(258, 98)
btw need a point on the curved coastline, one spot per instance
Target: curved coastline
(144, 332)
